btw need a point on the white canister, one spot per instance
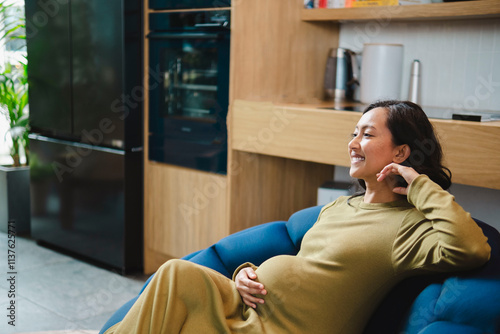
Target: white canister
(381, 69)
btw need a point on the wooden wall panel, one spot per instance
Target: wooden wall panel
(471, 151)
(310, 134)
(266, 188)
(274, 55)
(186, 210)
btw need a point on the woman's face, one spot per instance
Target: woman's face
(371, 147)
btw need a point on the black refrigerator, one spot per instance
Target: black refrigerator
(86, 101)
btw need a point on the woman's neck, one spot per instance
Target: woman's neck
(380, 192)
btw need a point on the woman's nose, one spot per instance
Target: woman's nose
(353, 143)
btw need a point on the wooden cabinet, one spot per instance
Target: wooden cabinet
(184, 209)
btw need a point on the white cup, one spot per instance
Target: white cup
(381, 71)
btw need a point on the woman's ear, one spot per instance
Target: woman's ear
(402, 152)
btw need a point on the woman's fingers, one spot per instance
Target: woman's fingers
(408, 173)
(248, 295)
(251, 300)
(253, 288)
(248, 287)
(388, 170)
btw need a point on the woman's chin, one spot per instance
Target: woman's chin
(353, 173)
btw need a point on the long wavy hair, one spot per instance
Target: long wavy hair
(409, 125)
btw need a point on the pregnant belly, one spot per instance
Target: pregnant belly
(295, 287)
(281, 274)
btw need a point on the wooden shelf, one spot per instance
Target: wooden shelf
(311, 133)
(434, 11)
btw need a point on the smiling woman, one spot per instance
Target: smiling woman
(348, 261)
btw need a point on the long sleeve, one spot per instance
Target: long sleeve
(241, 266)
(439, 235)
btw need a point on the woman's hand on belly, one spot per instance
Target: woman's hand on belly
(248, 287)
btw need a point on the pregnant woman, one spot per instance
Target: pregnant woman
(405, 223)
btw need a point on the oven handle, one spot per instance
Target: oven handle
(211, 25)
(164, 35)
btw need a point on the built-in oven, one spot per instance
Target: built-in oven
(189, 88)
(188, 4)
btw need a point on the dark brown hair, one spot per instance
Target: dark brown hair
(409, 125)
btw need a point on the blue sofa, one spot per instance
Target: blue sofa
(467, 302)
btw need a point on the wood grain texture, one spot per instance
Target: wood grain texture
(266, 188)
(471, 149)
(434, 11)
(274, 55)
(293, 132)
(186, 209)
(153, 260)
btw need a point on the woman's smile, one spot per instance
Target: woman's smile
(355, 158)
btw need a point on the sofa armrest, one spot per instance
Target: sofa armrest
(255, 245)
(300, 222)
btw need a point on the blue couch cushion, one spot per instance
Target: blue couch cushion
(209, 258)
(444, 327)
(300, 222)
(474, 302)
(419, 301)
(422, 312)
(471, 298)
(255, 245)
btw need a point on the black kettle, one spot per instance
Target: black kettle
(341, 75)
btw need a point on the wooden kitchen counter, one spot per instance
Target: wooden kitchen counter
(314, 134)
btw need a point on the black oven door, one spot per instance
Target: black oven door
(188, 4)
(189, 92)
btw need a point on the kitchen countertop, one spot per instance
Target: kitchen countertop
(431, 112)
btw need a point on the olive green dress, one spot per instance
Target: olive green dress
(354, 254)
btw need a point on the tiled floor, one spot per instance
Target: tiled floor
(57, 292)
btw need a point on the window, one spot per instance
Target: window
(13, 51)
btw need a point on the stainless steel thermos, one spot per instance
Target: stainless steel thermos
(414, 88)
(341, 74)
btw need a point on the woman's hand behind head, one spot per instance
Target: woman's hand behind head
(408, 173)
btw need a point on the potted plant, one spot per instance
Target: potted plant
(13, 104)
(14, 178)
